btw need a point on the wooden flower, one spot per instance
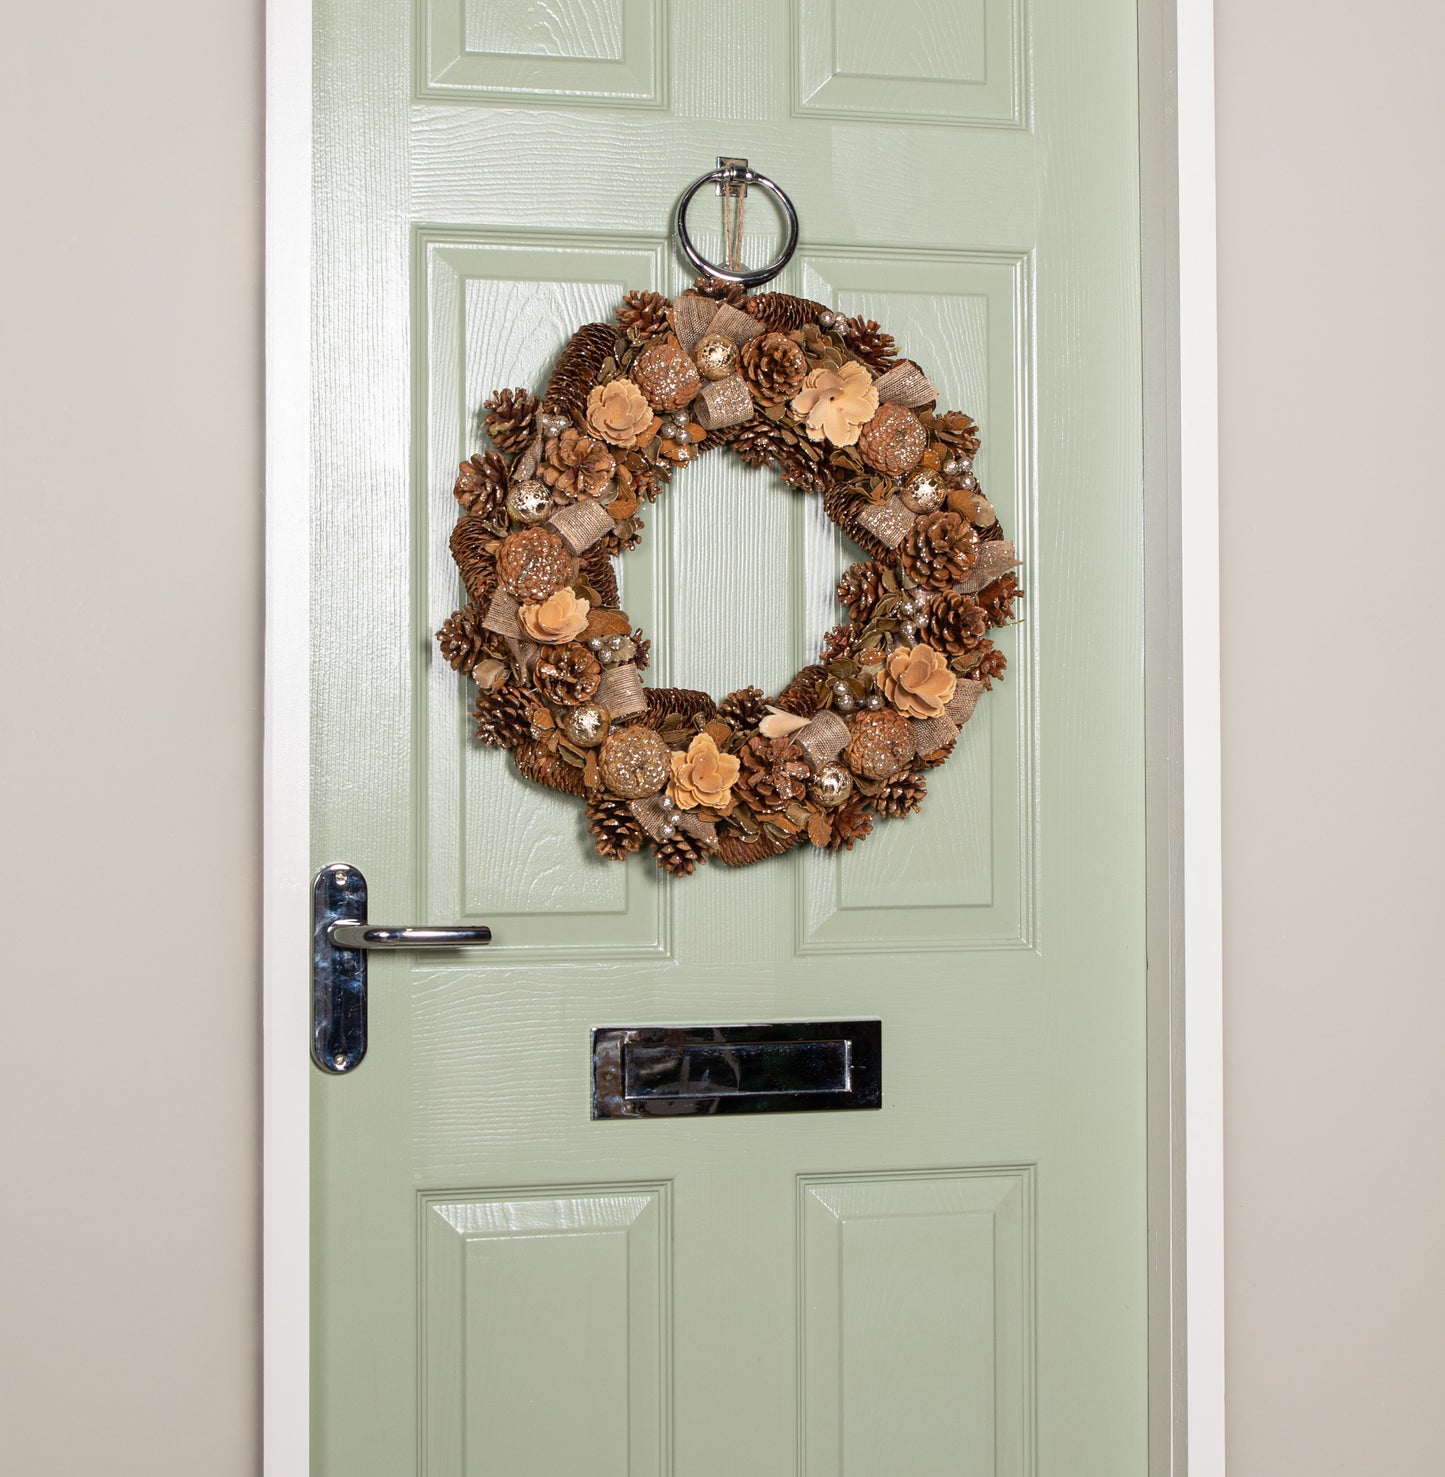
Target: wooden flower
(917, 681)
(619, 413)
(835, 404)
(558, 619)
(703, 776)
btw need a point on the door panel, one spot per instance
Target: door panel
(954, 1283)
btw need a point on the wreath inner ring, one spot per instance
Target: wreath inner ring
(826, 400)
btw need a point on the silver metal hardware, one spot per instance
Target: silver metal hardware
(790, 1067)
(732, 173)
(340, 939)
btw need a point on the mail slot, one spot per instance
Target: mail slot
(786, 1067)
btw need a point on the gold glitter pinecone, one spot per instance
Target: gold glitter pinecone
(849, 824)
(616, 832)
(842, 505)
(576, 464)
(634, 762)
(511, 418)
(578, 366)
(666, 376)
(534, 564)
(860, 588)
(903, 793)
(644, 315)
(881, 744)
(997, 599)
(955, 623)
(469, 545)
(867, 341)
(566, 675)
(539, 763)
(893, 441)
(678, 855)
(737, 851)
(939, 549)
(463, 640)
(839, 642)
(481, 485)
(503, 716)
(954, 430)
(803, 695)
(744, 709)
(732, 293)
(774, 368)
(774, 773)
(782, 312)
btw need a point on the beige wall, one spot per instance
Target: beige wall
(132, 456)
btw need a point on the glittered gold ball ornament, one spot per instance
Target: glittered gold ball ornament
(667, 376)
(587, 725)
(831, 785)
(635, 762)
(716, 356)
(529, 501)
(534, 564)
(893, 441)
(881, 744)
(924, 492)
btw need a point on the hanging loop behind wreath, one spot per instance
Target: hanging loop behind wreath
(737, 174)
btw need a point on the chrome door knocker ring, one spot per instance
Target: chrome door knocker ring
(733, 173)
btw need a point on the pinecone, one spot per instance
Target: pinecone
(781, 312)
(955, 430)
(867, 341)
(807, 466)
(839, 642)
(744, 709)
(462, 638)
(842, 506)
(667, 376)
(576, 464)
(503, 716)
(532, 565)
(955, 623)
(678, 855)
(538, 763)
(758, 442)
(939, 549)
(774, 367)
(643, 654)
(849, 824)
(601, 577)
(860, 587)
(566, 675)
(667, 702)
(997, 599)
(983, 664)
(993, 531)
(644, 315)
(893, 441)
(481, 485)
(774, 773)
(511, 418)
(469, 542)
(804, 693)
(904, 792)
(881, 744)
(578, 366)
(616, 832)
(736, 851)
(732, 293)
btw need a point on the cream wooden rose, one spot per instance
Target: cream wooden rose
(836, 404)
(917, 681)
(619, 413)
(557, 619)
(703, 775)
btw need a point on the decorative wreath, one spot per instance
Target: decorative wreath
(783, 382)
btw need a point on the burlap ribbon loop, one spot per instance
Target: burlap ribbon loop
(932, 734)
(725, 402)
(620, 691)
(888, 521)
(501, 615)
(581, 524)
(905, 384)
(995, 557)
(656, 815)
(823, 738)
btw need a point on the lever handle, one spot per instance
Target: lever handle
(341, 937)
(347, 935)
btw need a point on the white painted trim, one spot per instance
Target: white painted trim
(286, 1137)
(1199, 677)
(286, 1242)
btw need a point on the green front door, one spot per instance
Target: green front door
(954, 1284)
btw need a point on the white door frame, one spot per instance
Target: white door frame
(1186, 1041)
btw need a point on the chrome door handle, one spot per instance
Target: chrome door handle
(378, 936)
(341, 937)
